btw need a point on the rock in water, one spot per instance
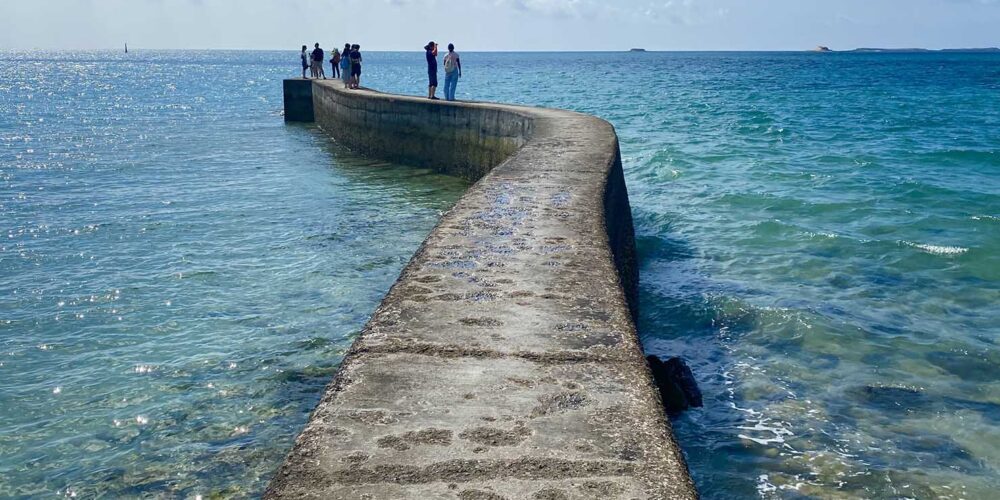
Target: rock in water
(676, 382)
(894, 399)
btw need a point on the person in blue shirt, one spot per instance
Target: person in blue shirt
(345, 65)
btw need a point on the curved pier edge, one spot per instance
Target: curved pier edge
(504, 361)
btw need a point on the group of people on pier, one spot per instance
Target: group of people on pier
(346, 65)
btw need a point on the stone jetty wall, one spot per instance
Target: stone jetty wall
(504, 362)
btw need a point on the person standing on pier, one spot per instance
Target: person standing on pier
(432, 69)
(356, 66)
(317, 63)
(305, 61)
(345, 65)
(335, 64)
(452, 72)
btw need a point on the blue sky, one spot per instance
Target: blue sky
(500, 24)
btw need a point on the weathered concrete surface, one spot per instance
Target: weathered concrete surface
(504, 362)
(298, 100)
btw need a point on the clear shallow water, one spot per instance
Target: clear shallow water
(819, 234)
(180, 273)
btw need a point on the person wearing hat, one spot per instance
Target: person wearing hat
(335, 64)
(432, 69)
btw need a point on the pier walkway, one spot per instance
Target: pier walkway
(504, 362)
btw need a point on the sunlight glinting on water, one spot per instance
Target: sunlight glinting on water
(180, 272)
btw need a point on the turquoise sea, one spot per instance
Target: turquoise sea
(180, 271)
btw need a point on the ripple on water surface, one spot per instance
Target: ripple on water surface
(834, 286)
(180, 273)
(818, 238)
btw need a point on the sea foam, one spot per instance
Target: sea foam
(937, 249)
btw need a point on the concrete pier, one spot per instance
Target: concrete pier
(504, 362)
(298, 100)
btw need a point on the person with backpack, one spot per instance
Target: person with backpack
(317, 63)
(345, 65)
(452, 72)
(356, 66)
(431, 52)
(335, 64)
(305, 61)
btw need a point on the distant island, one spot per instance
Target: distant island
(822, 48)
(637, 50)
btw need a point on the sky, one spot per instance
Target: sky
(500, 24)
